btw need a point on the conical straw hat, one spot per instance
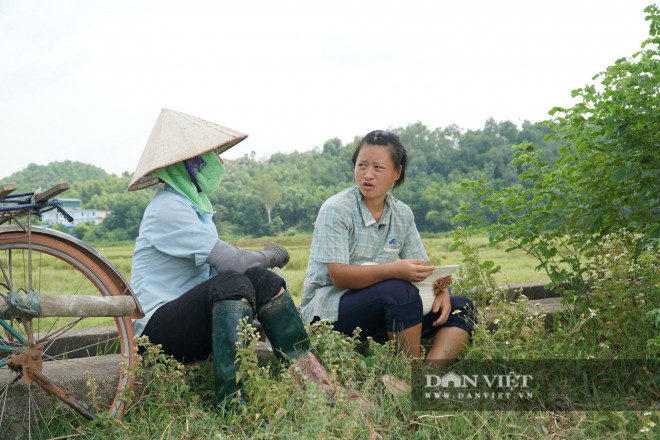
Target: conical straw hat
(176, 137)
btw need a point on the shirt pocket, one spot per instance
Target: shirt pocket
(392, 246)
(389, 254)
(391, 250)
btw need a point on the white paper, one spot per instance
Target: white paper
(425, 287)
(439, 272)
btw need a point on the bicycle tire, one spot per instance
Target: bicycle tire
(67, 263)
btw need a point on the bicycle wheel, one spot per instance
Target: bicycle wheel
(88, 358)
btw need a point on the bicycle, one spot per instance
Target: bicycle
(59, 291)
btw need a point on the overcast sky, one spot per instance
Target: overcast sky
(85, 80)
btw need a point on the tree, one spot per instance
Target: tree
(612, 143)
(267, 189)
(606, 177)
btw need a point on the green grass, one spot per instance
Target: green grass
(517, 267)
(177, 402)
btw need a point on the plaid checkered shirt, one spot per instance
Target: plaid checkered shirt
(346, 232)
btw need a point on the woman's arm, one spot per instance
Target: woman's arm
(351, 276)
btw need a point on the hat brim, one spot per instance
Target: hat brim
(175, 137)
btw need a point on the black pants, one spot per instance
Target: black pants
(394, 305)
(183, 326)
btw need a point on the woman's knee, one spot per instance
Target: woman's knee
(267, 284)
(399, 292)
(403, 305)
(231, 285)
(468, 307)
(464, 313)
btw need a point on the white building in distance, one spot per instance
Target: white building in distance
(72, 206)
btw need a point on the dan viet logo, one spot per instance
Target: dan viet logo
(476, 387)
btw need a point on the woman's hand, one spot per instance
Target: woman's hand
(413, 271)
(442, 302)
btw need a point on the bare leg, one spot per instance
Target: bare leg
(448, 343)
(408, 340)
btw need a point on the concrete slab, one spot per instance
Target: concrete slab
(547, 305)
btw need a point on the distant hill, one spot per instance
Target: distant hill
(284, 193)
(45, 176)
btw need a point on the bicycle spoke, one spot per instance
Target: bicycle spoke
(5, 391)
(5, 275)
(59, 288)
(25, 283)
(79, 286)
(38, 415)
(60, 331)
(63, 356)
(11, 271)
(29, 412)
(50, 339)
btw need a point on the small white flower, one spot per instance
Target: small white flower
(652, 424)
(455, 312)
(590, 356)
(644, 429)
(581, 338)
(496, 320)
(506, 342)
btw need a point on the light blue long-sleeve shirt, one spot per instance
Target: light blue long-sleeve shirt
(170, 252)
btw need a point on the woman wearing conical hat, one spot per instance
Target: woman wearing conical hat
(194, 288)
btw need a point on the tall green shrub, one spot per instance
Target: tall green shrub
(607, 177)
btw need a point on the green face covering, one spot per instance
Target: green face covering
(195, 178)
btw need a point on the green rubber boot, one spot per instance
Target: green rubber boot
(284, 327)
(226, 316)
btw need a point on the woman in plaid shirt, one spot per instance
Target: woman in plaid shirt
(365, 255)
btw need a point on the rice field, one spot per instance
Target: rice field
(516, 266)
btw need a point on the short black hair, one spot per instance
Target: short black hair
(398, 152)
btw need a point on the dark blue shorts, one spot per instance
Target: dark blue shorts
(394, 305)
